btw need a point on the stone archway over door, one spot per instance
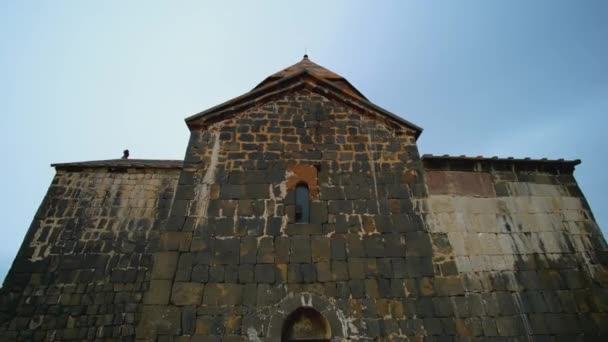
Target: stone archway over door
(306, 309)
(306, 324)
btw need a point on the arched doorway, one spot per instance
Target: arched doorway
(306, 324)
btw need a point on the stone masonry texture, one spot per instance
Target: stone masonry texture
(398, 247)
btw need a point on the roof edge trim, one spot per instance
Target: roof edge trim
(123, 163)
(480, 163)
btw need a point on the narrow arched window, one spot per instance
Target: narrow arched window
(302, 203)
(306, 324)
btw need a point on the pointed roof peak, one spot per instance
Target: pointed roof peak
(314, 69)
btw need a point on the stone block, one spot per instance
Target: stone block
(449, 286)
(443, 306)
(354, 245)
(200, 274)
(320, 246)
(418, 244)
(357, 288)
(208, 329)
(323, 271)
(424, 307)
(269, 295)
(309, 274)
(159, 320)
(293, 229)
(230, 191)
(399, 267)
(184, 267)
(254, 191)
(265, 252)
(250, 226)
(397, 288)
(294, 276)
(300, 249)
(217, 273)
(419, 266)
(509, 326)
(281, 273)
(165, 265)
(433, 326)
(188, 320)
(186, 293)
(371, 288)
(318, 212)
(338, 248)
(281, 249)
(384, 267)
(427, 287)
(175, 241)
(225, 294)
(265, 273)
(274, 226)
(221, 226)
(394, 245)
(250, 294)
(226, 251)
(383, 223)
(158, 292)
(356, 268)
(475, 304)
(339, 270)
(245, 273)
(374, 246)
(231, 273)
(248, 250)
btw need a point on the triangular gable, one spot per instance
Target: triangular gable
(274, 87)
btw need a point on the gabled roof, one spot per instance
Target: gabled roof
(308, 66)
(304, 74)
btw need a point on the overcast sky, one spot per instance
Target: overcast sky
(82, 80)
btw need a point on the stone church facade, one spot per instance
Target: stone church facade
(303, 212)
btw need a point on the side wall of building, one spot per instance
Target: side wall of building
(84, 264)
(396, 247)
(525, 243)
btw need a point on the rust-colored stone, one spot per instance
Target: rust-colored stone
(303, 174)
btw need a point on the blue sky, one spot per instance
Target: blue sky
(82, 80)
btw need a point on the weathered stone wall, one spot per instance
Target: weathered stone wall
(234, 264)
(526, 247)
(84, 264)
(397, 247)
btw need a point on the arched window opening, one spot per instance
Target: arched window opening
(302, 203)
(306, 324)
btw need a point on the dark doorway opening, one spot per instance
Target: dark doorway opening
(306, 324)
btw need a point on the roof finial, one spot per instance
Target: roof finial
(305, 53)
